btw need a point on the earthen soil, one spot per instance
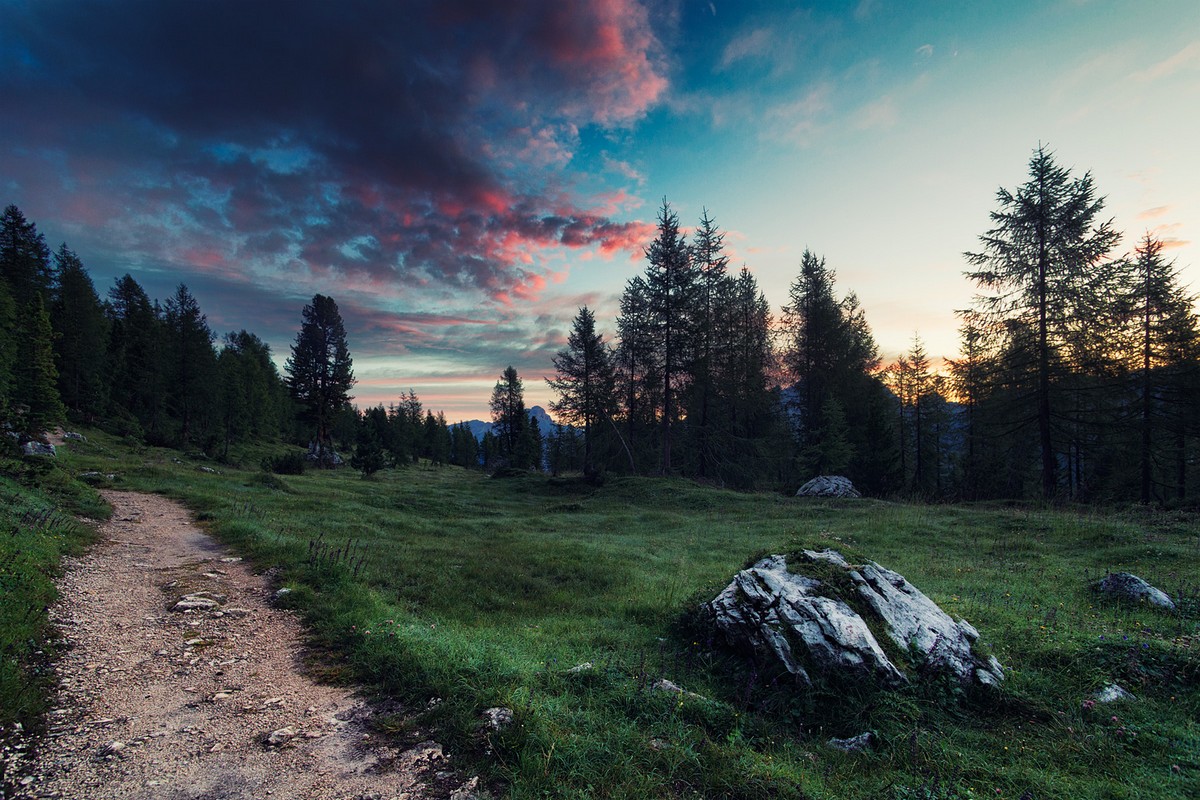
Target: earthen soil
(158, 700)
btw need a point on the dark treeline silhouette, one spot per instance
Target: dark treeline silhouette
(155, 372)
(1077, 378)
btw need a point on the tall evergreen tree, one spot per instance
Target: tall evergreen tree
(638, 375)
(831, 356)
(510, 421)
(190, 362)
(81, 334)
(320, 371)
(713, 289)
(585, 382)
(35, 389)
(671, 295)
(24, 259)
(8, 348)
(135, 360)
(1166, 343)
(1039, 264)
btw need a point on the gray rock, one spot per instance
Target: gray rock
(209, 470)
(200, 601)
(828, 486)
(38, 449)
(498, 718)
(1112, 693)
(281, 737)
(77, 437)
(580, 669)
(1132, 589)
(854, 744)
(766, 603)
(794, 621)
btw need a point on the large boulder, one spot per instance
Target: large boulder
(35, 448)
(1132, 589)
(818, 622)
(828, 486)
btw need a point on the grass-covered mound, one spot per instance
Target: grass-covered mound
(441, 583)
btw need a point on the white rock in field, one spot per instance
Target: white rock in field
(828, 486)
(799, 622)
(1112, 693)
(1131, 588)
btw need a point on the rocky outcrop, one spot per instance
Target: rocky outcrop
(818, 622)
(1132, 589)
(828, 486)
(33, 448)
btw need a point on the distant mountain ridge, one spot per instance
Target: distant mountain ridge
(479, 427)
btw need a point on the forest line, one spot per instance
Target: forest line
(1072, 359)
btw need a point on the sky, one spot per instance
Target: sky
(462, 175)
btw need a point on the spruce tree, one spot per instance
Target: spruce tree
(35, 389)
(510, 421)
(190, 362)
(8, 349)
(1040, 264)
(671, 297)
(24, 259)
(320, 371)
(81, 334)
(134, 361)
(585, 382)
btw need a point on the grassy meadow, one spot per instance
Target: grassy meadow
(454, 592)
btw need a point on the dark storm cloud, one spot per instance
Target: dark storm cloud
(364, 142)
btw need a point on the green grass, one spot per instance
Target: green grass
(39, 499)
(440, 583)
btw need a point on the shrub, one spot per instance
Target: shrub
(291, 463)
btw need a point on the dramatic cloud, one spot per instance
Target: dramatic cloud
(370, 145)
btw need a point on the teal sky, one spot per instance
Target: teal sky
(461, 176)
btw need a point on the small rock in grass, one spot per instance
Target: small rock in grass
(1131, 588)
(854, 744)
(1112, 693)
(498, 718)
(579, 669)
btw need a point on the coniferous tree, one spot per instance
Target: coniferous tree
(320, 371)
(1166, 343)
(135, 361)
(1039, 266)
(713, 290)
(510, 422)
(35, 389)
(24, 259)
(639, 377)
(8, 349)
(81, 334)
(585, 382)
(190, 363)
(831, 356)
(671, 295)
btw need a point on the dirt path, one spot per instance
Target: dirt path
(159, 700)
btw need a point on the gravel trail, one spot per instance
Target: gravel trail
(182, 681)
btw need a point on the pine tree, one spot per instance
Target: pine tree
(35, 389)
(638, 373)
(831, 355)
(585, 382)
(81, 333)
(190, 362)
(135, 361)
(713, 289)
(1167, 341)
(671, 295)
(8, 349)
(1039, 264)
(24, 259)
(320, 371)
(510, 421)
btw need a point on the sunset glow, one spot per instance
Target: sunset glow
(461, 177)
